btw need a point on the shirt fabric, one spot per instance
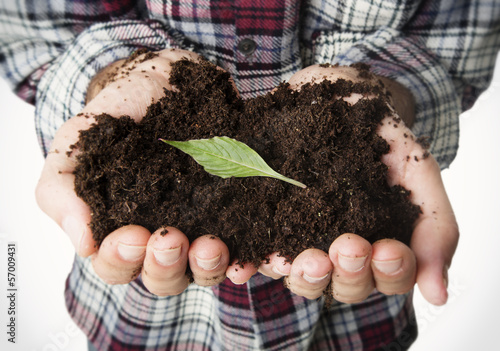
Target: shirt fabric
(443, 51)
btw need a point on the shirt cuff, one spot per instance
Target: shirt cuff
(63, 87)
(405, 60)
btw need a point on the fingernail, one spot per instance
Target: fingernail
(388, 267)
(131, 252)
(75, 230)
(314, 280)
(352, 264)
(277, 271)
(209, 264)
(168, 256)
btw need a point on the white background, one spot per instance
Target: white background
(468, 322)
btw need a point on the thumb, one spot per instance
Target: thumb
(55, 192)
(55, 196)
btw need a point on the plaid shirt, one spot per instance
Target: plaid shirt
(442, 50)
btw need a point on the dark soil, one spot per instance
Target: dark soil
(127, 176)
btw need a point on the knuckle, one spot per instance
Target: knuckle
(114, 280)
(162, 285)
(395, 288)
(305, 289)
(352, 293)
(175, 289)
(352, 280)
(112, 275)
(202, 280)
(310, 294)
(313, 296)
(349, 299)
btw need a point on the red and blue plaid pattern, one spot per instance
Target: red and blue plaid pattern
(259, 315)
(442, 50)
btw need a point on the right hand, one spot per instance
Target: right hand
(130, 250)
(353, 267)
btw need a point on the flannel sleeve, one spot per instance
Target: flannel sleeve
(443, 51)
(50, 50)
(33, 34)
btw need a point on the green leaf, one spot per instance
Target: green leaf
(226, 157)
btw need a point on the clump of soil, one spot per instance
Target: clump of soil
(127, 176)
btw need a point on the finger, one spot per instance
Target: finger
(276, 266)
(164, 270)
(436, 233)
(352, 279)
(240, 273)
(310, 274)
(121, 254)
(208, 260)
(394, 267)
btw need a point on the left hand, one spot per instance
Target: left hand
(131, 249)
(353, 265)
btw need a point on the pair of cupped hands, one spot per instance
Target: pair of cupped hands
(353, 266)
